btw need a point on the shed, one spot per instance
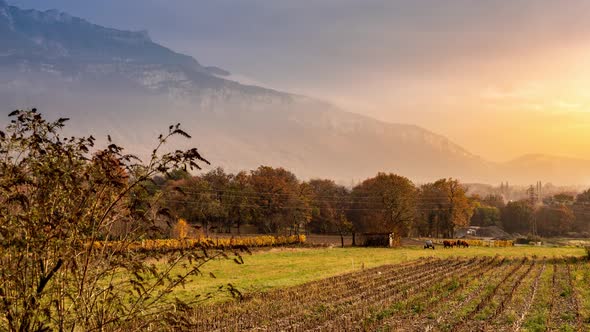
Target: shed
(377, 240)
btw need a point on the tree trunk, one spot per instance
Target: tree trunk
(239, 221)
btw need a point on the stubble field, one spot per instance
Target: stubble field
(477, 289)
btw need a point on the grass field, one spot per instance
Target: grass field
(277, 268)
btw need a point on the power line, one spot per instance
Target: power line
(226, 204)
(336, 199)
(279, 193)
(313, 201)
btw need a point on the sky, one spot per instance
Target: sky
(502, 78)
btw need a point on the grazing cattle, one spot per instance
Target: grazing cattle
(463, 244)
(429, 244)
(447, 244)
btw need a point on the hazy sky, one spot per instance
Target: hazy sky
(500, 77)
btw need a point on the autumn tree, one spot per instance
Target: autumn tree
(385, 203)
(484, 215)
(430, 212)
(445, 206)
(517, 217)
(240, 200)
(282, 204)
(583, 197)
(496, 201)
(581, 209)
(554, 220)
(330, 204)
(300, 210)
(193, 200)
(560, 199)
(218, 182)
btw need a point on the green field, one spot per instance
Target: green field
(265, 270)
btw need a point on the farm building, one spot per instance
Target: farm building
(377, 240)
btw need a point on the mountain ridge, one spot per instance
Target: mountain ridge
(115, 80)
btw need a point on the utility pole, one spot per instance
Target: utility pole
(539, 192)
(533, 199)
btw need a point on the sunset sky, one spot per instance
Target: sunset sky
(501, 78)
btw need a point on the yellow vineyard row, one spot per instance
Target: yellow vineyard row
(173, 244)
(478, 243)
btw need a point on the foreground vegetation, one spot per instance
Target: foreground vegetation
(58, 196)
(481, 292)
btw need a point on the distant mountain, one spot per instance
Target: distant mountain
(35, 35)
(123, 83)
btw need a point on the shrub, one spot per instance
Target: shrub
(181, 230)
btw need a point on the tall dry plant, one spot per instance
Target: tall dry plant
(181, 230)
(61, 267)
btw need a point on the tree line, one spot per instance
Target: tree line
(558, 215)
(275, 201)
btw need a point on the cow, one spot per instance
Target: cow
(429, 244)
(447, 244)
(463, 244)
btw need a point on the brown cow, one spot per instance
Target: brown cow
(463, 244)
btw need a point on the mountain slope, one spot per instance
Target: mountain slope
(123, 83)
